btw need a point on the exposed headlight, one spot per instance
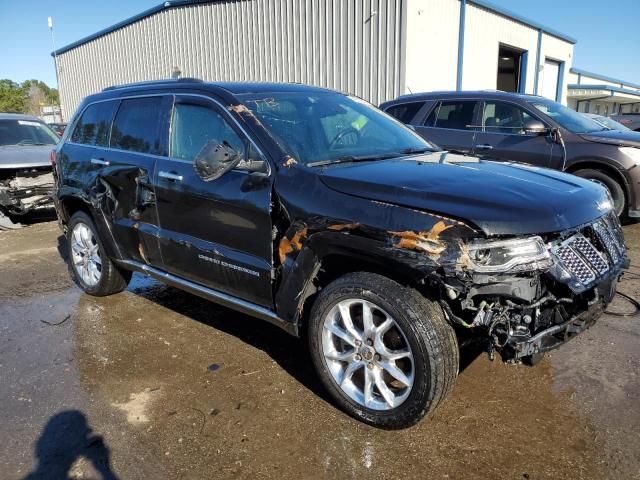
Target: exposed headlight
(632, 152)
(516, 255)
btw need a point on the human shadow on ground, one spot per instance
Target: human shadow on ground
(66, 438)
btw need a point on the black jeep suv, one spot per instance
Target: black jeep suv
(317, 212)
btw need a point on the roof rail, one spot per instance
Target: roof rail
(154, 82)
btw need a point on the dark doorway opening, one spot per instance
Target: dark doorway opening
(510, 66)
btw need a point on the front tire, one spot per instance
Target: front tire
(384, 352)
(90, 267)
(615, 189)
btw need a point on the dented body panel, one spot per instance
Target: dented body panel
(274, 239)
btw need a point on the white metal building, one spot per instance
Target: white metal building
(376, 49)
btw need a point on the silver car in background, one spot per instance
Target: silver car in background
(26, 178)
(607, 122)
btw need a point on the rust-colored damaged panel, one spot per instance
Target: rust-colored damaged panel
(240, 108)
(294, 244)
(428, 242)
(339, 227)
(289, 161)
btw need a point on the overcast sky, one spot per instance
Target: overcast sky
(607, 33)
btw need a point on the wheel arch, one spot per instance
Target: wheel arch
(606, 168)
(332, 256)
(71, 204)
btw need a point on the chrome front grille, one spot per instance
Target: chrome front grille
(589, 255)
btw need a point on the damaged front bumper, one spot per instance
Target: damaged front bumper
(525, 313)
(23, 191)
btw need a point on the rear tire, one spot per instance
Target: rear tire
(90, 267)
(400, 390)
(614, 188)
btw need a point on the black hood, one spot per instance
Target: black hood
(614, 137)
(499, 198)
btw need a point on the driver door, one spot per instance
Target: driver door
(216, 233)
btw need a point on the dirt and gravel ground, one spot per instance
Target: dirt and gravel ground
(157, 383)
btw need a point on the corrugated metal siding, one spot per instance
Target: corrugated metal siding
(348, 45)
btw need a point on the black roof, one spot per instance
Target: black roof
(491, 94)
(236, 88)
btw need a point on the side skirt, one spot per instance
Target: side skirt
(216, 296)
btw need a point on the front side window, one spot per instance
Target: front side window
(195, 125)
(26, 132)
(506, 118)
(325, 126)
(405, 112)
(457, 115)
(569, 119)
(94, 126)
(138, 126)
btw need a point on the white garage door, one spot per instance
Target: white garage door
(550, 79)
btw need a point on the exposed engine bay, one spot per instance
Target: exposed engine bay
(23, 191)
(524, 314)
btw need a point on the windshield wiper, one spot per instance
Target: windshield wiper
(411, 151)
(352, 159)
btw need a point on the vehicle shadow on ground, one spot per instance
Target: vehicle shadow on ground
(290, 353)
(66, 438)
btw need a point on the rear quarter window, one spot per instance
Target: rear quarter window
(94, 126)
(405, 112)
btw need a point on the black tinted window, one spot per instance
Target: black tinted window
(194, 125)
(94, 125)
(458, 115)
(405, 111)
(138, 126)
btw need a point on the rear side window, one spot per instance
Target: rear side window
(138, 126)
(405, 112)
(94, 125)
(194, 125)
(457, 115)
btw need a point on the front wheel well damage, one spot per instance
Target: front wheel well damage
(335, 266)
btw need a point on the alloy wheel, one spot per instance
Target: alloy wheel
(367, 354)
(85, 254)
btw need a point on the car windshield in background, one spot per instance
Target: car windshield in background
(569, 119)
(611, 124)
(26, 132)
(323, 128)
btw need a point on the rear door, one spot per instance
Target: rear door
(451, 125)
(138, 138)
(216, 233)
(502, 136)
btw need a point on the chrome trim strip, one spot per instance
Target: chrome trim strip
(216, 296)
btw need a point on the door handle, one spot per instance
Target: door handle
(170, 176)
(99, 161)
(484, 147)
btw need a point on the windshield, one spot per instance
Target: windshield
(569, 119)
(319, 128)
(26, 132)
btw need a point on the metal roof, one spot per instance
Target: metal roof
(597, 76)
(180, 3)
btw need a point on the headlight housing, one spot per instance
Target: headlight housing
(515, 255)
(632, 152)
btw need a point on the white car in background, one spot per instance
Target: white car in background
(26, 178)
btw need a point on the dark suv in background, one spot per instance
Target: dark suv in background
(530, 129)
(317, 212)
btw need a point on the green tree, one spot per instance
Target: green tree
(12, 97)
